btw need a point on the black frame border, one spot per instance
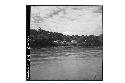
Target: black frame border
(28, 8)
(28, 11)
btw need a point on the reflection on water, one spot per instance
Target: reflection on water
(66, 64)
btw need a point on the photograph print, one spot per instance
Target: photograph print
(64, 43)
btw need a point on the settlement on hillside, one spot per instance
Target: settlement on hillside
(42, 38)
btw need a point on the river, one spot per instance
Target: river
(66, 63)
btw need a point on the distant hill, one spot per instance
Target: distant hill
(43, 38)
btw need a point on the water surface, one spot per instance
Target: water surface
(66, 63)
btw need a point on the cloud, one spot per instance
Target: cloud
(77, 20)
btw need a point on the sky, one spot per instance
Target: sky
(68, 20)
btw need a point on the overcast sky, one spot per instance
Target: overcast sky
(69, 20)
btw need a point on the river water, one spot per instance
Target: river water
(66, 63)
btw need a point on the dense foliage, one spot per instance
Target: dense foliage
(42, 38)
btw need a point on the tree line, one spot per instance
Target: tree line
(43, 38)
